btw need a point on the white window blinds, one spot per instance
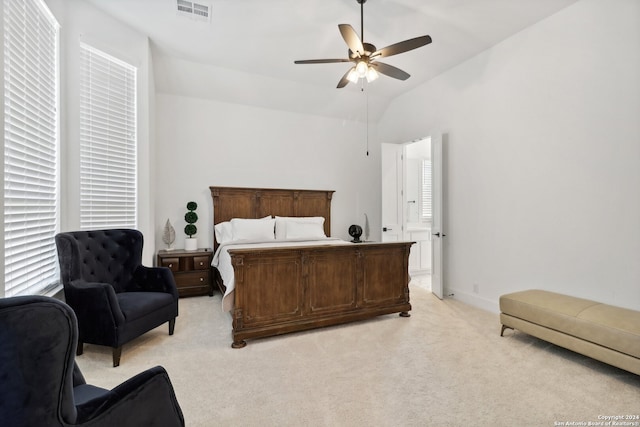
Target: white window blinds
(107, 141)
(426, 191)
(30, 147)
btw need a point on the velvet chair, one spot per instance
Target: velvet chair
(114, 296)
(41, 385)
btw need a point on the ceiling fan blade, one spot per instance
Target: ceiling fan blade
(391, 71)
(351, 38)
(343, 81)
(320, 61)
(402, 47)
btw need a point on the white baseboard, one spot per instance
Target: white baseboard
(474, 300)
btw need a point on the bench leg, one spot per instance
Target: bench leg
(503, 328)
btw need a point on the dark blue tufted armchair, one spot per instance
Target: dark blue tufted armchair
(114, 297)
(41, 385)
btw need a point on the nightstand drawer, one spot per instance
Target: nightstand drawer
(172, 263)
(201, 262)
(191, 270)
(194, 278)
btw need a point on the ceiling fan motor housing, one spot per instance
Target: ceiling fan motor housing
(368, 50)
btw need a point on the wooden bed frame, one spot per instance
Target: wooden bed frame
(288, 289)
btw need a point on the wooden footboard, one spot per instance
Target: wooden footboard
(287, 289)
(281, 290)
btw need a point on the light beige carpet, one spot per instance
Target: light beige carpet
(446, 365)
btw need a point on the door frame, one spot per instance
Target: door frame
(393, 180)
(437, 247)
(437, 215)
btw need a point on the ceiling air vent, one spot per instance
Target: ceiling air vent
(196, 10)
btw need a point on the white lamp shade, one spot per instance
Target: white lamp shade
(372, 74)
(353, 75)
(361, 68)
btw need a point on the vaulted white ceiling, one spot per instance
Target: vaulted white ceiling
(245, 53)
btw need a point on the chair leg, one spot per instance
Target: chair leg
(117, 352)
(172, 325)
(79, 348)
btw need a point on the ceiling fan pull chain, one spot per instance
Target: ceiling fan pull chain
(366, 94)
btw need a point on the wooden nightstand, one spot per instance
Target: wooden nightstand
(191, 270)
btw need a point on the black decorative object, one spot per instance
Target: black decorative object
(355, 231)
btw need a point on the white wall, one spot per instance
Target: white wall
(81, 22)
(187, 144)
(542, 168)
(203, 143)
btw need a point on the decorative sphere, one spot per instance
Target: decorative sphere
(190, 230)
(191, 217)
(355, 231)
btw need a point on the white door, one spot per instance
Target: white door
(437, 228)
(392, 183)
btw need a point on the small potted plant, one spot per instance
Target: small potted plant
(191, 243)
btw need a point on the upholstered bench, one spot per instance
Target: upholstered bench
(603, 332)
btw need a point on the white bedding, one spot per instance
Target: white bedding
(222, 259)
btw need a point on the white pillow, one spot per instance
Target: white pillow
(223, 232)
(304, 230)
(281, 227)
(253, 229)
(312, 231)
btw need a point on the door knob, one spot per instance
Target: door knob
(438, 234)
(386, 229)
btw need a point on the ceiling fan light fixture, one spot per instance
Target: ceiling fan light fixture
(364, 55)
(353, 75)
(361, 69)
(372, 74)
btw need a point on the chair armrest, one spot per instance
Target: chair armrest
(144, 400)
(91, 300)
(155, 279)
(78, 378)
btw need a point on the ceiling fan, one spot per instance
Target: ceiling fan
(365, 55)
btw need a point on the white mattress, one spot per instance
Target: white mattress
(222, 259)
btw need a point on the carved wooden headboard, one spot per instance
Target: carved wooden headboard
(236, 202)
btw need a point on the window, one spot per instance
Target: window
(426, 214)
(30, 148)
(108, 141)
